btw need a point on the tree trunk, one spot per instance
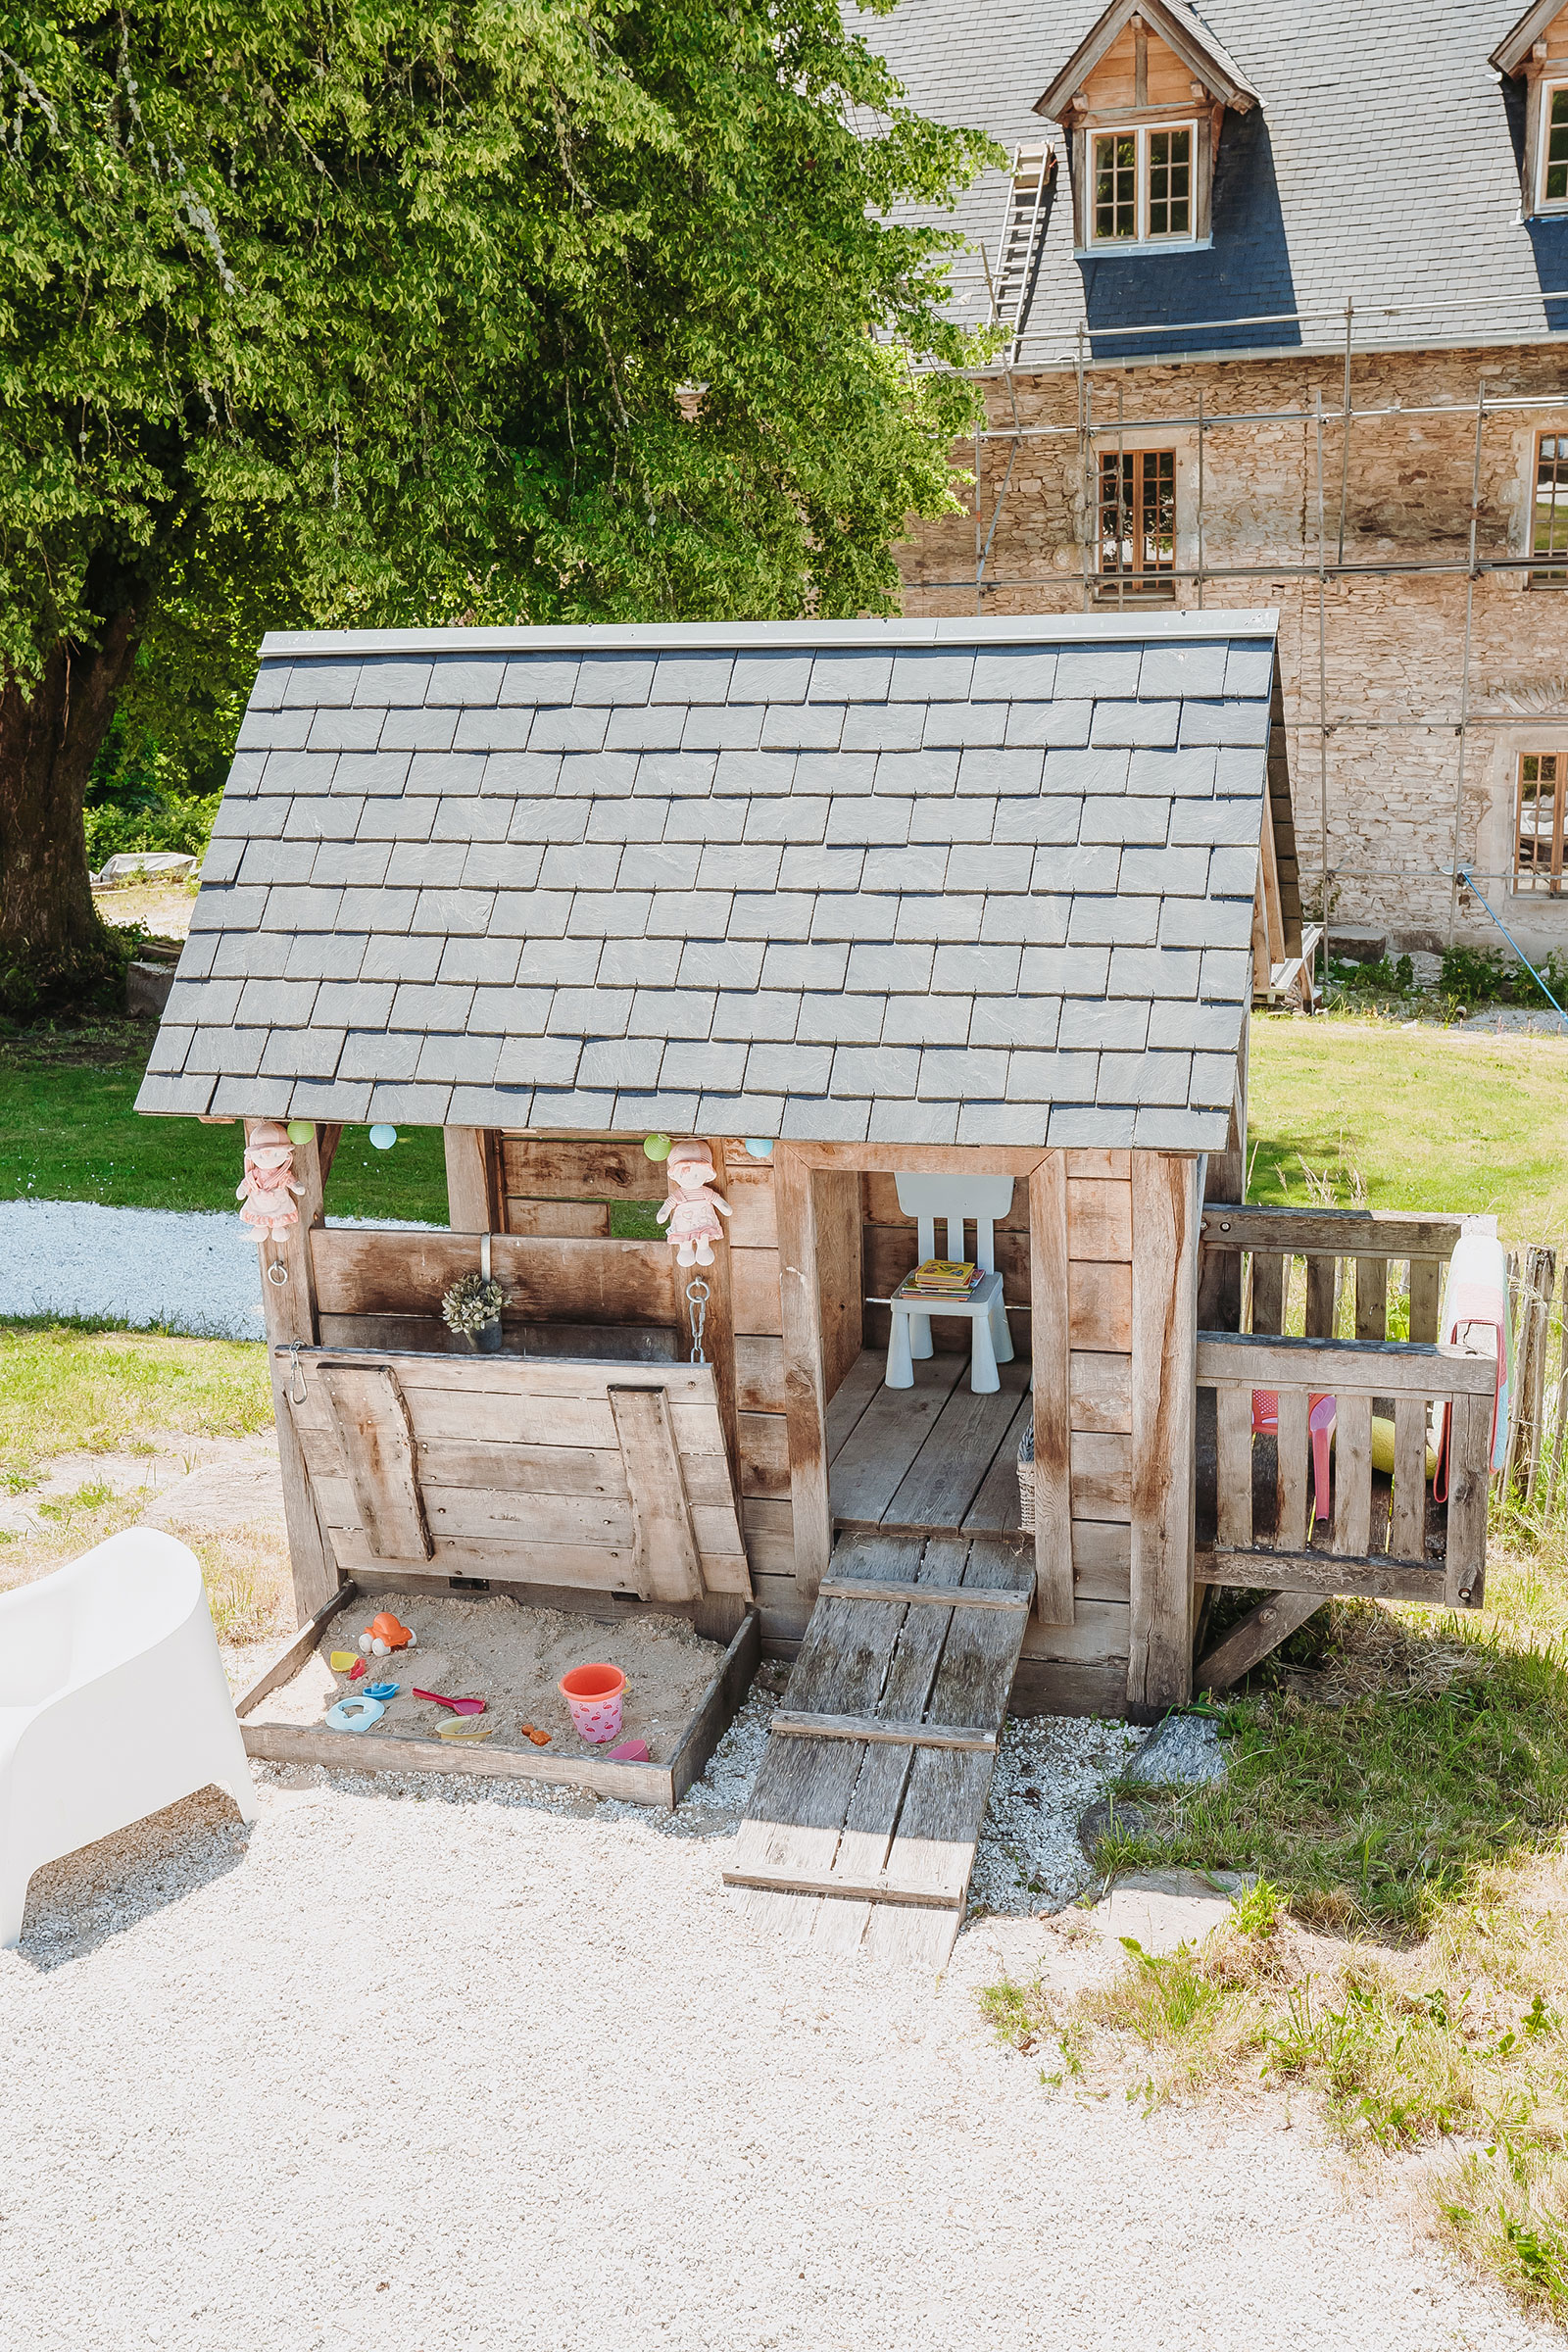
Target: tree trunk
(52, 944)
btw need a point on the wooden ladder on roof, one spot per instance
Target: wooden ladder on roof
(863, 1827)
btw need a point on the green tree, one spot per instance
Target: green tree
(515, 310)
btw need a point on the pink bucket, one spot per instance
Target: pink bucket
(593, 1697)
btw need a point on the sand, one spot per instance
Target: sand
(512, 1656)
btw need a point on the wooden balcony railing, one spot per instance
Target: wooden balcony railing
(1385, 1537)
(1348, 1253)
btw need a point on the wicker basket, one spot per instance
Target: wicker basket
(1026, 1480)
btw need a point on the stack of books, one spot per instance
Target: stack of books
(943, 1278)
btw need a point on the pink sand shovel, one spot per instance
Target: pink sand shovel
(1320, 1419)
(459, 1706)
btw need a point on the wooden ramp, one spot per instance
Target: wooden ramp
(863, 1827)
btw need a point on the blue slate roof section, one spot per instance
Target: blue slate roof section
(939, 881)
(1381, 167)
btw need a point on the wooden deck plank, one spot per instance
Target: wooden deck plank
(852, 1395)
(886, 1437)
(995, 1510)
(949, 1469)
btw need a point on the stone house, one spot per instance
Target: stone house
(1283, 295)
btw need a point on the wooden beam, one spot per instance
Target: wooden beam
(1165, 1229)
(288, 1303)
(1261, 1630)
(853, 1891)
(719, 1327)
(940, 1597)
(1353, 1367)
(1049, 1283)
(805, 1398)
(877, 1728)
(473, 1180)
(285, 1665)
(918, 1159)
(664, 1545)
(1336, 1232)
(1328, 1574)
(376, 1438)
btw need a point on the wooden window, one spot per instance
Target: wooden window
(1170, 184)
(1539, 835)
(1115, 185)
(1138, 519)
(1143, 185)
(1548, 530)
(1554, 143)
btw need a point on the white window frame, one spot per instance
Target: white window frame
(1144, 243)
(1544, 203)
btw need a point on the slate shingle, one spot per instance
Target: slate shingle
(919, 884)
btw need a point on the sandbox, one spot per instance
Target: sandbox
(682, 1691)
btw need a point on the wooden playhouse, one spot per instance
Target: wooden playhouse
(941, 935)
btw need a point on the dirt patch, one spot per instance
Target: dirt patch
(512, 1656)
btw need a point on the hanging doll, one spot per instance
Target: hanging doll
(267, 1194)
(693, 1208)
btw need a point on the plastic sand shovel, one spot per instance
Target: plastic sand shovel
(1320, 1419)
(459, 1706)
(342, 1660)
(459, 1731)
(356, 1714)
(630, 1752)
(593, 1697)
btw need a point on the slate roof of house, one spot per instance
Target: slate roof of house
(911, 881)
(1381, 166)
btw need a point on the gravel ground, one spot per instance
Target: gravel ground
(190, 1270)
(413, 2064)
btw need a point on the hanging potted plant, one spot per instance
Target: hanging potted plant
(472, 1310)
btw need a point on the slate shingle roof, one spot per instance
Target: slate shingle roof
(1379, 166)
(916, 881)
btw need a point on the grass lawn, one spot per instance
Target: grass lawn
(67, 1389)
(1426, 1118)
(68, 1131)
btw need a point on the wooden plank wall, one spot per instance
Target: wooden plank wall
(524, 1473)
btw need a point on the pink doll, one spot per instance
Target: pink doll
(266, 1193)
(694, 1227)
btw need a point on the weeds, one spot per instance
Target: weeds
(1401, 1789)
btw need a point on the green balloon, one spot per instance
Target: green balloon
(657, 1146)
(301, 1131)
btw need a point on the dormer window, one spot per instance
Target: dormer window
(1143, 184)
(1142, 99)
(1536, 52)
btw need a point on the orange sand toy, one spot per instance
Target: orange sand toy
(532, 1731)
(383, 1635)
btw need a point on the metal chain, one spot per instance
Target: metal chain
(698, 1295)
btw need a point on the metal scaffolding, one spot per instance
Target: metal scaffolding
(1382, 330)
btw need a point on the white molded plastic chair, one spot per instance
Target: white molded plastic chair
(113, 1704)
(954, 1199)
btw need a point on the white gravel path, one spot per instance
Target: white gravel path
(191, 1271)
(413, 2066)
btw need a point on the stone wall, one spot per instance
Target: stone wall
(1391, 648)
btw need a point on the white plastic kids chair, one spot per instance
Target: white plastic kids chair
(953, 1199)
(113, 1703)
